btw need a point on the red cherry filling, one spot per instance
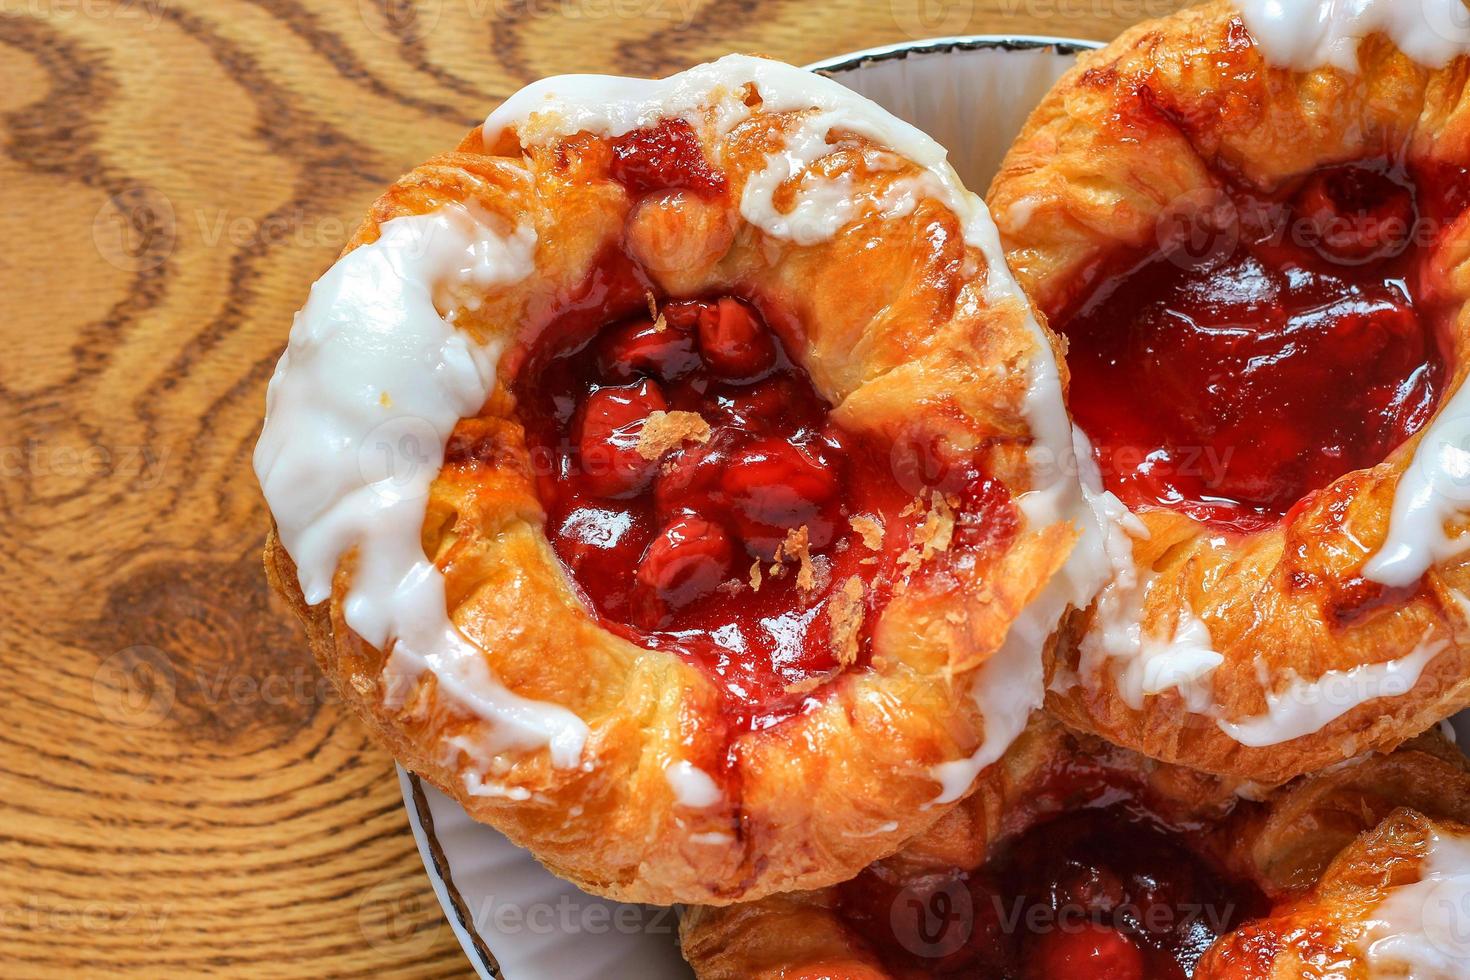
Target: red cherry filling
(735, 347)
(729, 526)
(687, 560)
(1229, 387)
(1357, 214)
(1093, 952)
(1095, 894)
(663, 157)
(774, 486)
(612, 421)
(645, 348)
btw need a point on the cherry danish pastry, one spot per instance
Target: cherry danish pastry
(1075, 860)
(648, 473)
(1252, 233)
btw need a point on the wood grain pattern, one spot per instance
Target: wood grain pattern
(179, 793)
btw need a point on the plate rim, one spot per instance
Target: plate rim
(945, 45)
(441, 876)
(420, 817)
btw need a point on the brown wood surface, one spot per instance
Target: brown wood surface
(180, 793)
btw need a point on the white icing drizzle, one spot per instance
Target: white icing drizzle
(1304, 35)
(357, 417)
(1144, 663)
(887, 827)
(1141, 663)
(692, 786)
(1434, 490)
(477, 785)
(1010, 685)
(1304, 707)
(1019, 214)
(1185, 661)
(1421, 931)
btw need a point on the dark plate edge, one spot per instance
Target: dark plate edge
(441, 868)
(978, 42)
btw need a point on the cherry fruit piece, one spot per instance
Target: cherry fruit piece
(1091, 952)
(775, 486)
(611, 423)
(662, 157)
(1357, 214)
(690, 482)
(761, 407)
(735, 345)
(641, 349)
(683, 314)
(1088, 887)
(687, 560)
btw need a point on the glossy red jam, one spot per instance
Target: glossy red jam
(704, 502)
(663, 157)
(1095, 894)
(1299, 343)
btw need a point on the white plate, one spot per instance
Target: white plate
(513, 917)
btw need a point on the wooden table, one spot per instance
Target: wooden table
(179, 792)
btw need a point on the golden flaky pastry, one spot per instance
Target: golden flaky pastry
(645, 473)
(1259, 267)
(1392, 904)
(1074, 858)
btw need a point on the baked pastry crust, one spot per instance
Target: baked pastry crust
(900, 325)
(1332, 925)
(1157, 118)
(1300, 840)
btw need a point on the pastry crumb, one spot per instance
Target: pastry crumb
(934, 535)
(659, 323)
(808, 684)
(755, 575)
(845, 612)
(670, 430)
(798, 546)
(821, 574)
(869, 529)
(937, 531)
